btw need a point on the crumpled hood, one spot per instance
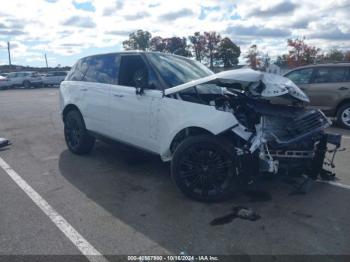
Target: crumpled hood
(275, 85)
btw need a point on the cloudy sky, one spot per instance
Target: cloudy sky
(69, 29)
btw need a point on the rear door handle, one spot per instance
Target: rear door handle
(83, 89)
(343, 88)
(118, 95)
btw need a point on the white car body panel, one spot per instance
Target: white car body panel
(95, 104)
(92, 101)
(175, 115)
(133, 118)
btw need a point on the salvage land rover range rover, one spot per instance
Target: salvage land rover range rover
(218, 130)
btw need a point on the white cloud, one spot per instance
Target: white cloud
(39, 26)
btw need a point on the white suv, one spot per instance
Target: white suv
(24, 79)
(218, 130)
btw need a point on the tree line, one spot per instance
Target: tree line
(300, 53)
(214, 50)
(208, 47)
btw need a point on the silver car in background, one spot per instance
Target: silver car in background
(54, 78)
(3, 82)
(24, 79)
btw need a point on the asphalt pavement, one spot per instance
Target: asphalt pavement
(122, 201)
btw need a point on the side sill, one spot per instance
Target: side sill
(113, 141)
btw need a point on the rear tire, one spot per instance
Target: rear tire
(204, 169)
(78, 140)
(343, 116)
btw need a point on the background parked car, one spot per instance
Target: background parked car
(54, 78)
(24, 79)
(3, 82)
(328, 86)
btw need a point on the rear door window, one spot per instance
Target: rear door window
(330, 75)
(102, 69)
(301, 76)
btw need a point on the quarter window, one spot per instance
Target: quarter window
(78, 71)
(301, 76)
(330, 75)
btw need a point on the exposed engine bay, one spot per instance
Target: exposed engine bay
(275, 130)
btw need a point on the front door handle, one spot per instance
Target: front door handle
(83, 89)
(118, 95)
(343, 88)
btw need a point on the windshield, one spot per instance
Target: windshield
(176, 70)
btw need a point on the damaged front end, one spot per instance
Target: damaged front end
(274, 129)
(291, 140)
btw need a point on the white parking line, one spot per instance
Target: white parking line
(347, 137)
(78, 240)
(335, 184)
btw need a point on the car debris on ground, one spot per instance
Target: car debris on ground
(4, 142)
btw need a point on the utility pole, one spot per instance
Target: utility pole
(9, 51)
(47, 66)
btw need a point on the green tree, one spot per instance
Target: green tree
(198, 42)
(157, 43)
(211, 46)
(252, 58)
(347, 56)
(282, 60)
(177, 45)
(228, 52)
(174, 45)
(138, 40)
(301, 53)
(335, 55)
(265, 62)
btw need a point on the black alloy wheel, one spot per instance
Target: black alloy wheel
(204, 169)
(77, 137)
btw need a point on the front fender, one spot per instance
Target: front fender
(177, 115)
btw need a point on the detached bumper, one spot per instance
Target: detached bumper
(320, 153)
(307, 160)
(334, 139)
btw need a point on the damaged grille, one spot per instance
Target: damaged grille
(291, 129)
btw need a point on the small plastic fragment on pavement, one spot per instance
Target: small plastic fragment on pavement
(4, 142)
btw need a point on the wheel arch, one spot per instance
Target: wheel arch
(182, 135)
(68, 108)
(345, 101)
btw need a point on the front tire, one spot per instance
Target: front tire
(343, 116)
(204, 169)
(77, 137)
